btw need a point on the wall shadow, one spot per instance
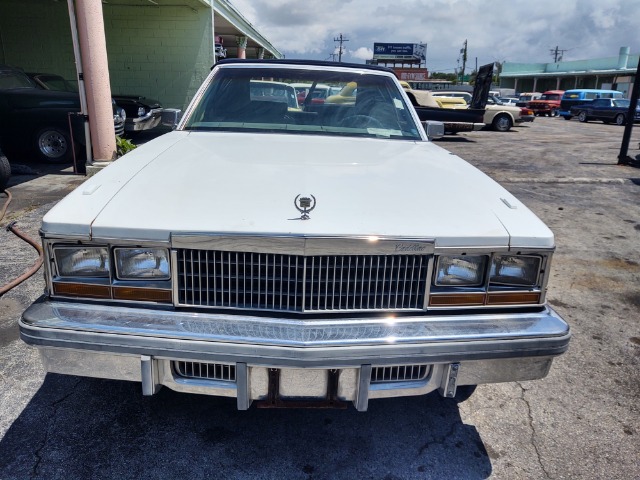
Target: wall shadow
(77, 427)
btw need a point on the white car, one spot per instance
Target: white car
(321, 257)
(497, 116)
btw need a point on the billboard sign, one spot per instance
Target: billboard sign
(399, 51)
(412, 74)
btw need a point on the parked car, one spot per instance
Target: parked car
(5, 172)
(573, 98)
(525, 97)
(141, 113)
(266, 90)
(453, 112)
(49, 81)
(511, 101)
(35, 123)
(547, 104)
(497, 116)
(314, 258)
(606, 109)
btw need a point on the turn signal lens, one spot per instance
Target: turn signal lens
(514, 298)
(81, 290)
(457, 299)
(142, 294)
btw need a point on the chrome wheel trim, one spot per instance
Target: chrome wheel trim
(52, 144)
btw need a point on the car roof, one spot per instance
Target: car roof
(315, 63)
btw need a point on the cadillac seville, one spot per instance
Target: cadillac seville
(323, 255)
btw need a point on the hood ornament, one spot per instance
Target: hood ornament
(304, 205)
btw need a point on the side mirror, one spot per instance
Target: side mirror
(433, 129)
(171, 117)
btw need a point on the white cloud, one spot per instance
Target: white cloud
(511, 30)
(362, 53)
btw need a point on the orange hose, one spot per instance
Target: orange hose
(36, 266)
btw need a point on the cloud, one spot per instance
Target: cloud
(500, 30)
(362, 53)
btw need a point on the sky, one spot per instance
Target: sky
(520, 31)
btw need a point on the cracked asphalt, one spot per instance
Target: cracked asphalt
(581, 422)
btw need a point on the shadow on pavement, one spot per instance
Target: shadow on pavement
(88, 428)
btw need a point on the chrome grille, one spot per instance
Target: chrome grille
(399, 373)
(296, 283)
(207, 371)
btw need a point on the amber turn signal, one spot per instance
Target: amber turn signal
(81, 290)
(142, 294)
(514, 298)
(457, 299)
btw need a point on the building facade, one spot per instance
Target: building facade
(615, 73)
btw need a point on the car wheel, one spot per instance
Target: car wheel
(52, 145)
(583, 117)
(620, 120)
(553, 113)
(502, 123)
(5, 172)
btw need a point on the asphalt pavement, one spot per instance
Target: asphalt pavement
(581, 422)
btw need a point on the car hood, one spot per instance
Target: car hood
(240, 183)
(136, 101)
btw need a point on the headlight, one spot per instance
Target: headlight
(82, 261)
(141, 111)
(461, 270)
(142, 263)
(515, 270)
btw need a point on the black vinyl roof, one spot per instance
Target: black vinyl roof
(315, 63)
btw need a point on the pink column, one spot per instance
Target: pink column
(93, 47)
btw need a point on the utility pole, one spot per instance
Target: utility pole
(341, 40)
(557, 53)
(464, 61)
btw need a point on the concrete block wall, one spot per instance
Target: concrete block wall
(36, 36)
(159, 52)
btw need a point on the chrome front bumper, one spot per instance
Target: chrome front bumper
(147, 122)
(141, 345)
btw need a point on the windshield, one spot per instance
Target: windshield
(550, 96)
(12, 79)
(268, 99)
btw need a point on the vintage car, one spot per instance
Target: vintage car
(141, 113)
(497, 116)
(42, 124)
(583, 96)
(607, 110)
(454, 113)
(547, 104)
(317, 258)
(525, 97)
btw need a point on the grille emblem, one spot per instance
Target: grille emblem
(304, 205)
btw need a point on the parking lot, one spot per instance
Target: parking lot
(579, 422)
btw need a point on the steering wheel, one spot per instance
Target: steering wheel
(360, 121)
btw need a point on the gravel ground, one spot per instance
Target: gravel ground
(582, 421)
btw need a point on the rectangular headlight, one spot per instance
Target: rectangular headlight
(142, 263)
(82, 261)
(520, 270)
(461, 270)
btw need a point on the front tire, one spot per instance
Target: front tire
(502, 123)
(620, 119)
(583, 117)
(5, 172)
(53, 145)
